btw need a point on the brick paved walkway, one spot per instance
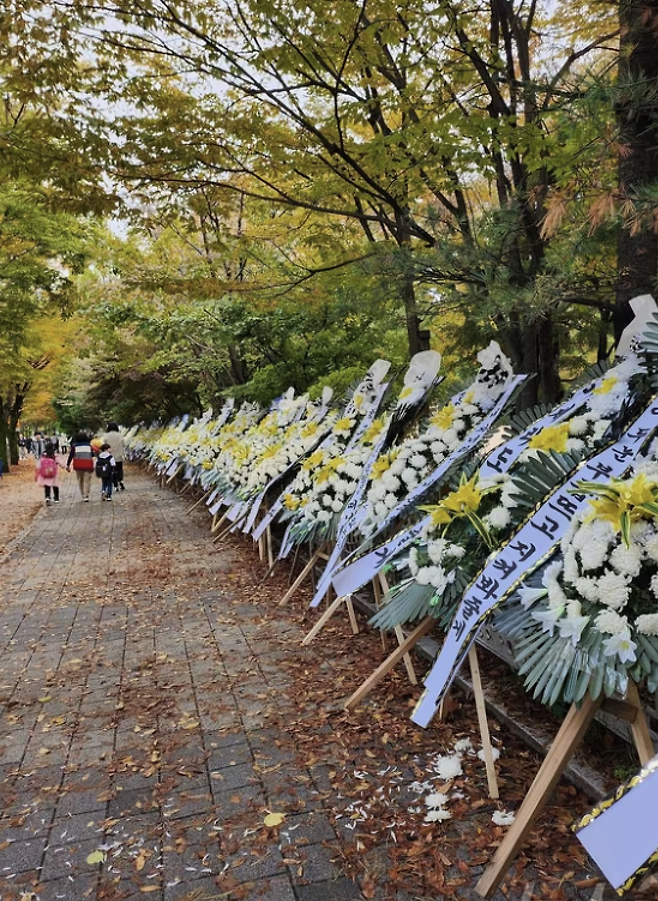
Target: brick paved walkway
(135, 718)
(142, 705)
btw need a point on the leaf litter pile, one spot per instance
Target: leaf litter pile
(185, 745)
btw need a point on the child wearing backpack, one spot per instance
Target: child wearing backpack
(105, 465)
(47, 473)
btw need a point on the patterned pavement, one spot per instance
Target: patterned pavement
(143, 706)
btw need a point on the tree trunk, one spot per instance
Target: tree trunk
(533, 349)
(637, 117)
(4, 457)
(14, 415)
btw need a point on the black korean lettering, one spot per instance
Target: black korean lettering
(564, 505)
(487, 586)
(548, 526)
(525, 551)
(471, 606)
(504, 567)
(638, 435)
(382, 554)
(601, 470)
(623, 454)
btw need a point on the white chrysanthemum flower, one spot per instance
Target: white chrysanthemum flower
(578, 425)
(436, 550)
(651, 547)
(390, 482)
(654, 585)
(337, 506)
(614, 590)
(391, 501)
(611, 623)
(502, 818)
(418, 461)
(413, 561)
(600, 428)
(448, 767)
(437, 815)
(626, 560)
(495, 753)
(498, 518)
(436, 799)
(647, 624)
(463, 745)
(451, 438)
(377, 492)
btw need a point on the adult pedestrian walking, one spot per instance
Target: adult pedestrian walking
(114, 438)
(81, 456)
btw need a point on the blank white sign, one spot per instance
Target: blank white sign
(623, 838)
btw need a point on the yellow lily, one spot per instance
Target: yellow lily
(553, 437)
(443, 419)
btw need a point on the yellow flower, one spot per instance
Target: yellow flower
(344, 424)
(623, 501)
(328, 470)
(606, 385)
(309, 429)
(371, 434)
(465, 500)
(315, 460)
(443, 419)
(553, 437)
(290, 502)
(383, 463)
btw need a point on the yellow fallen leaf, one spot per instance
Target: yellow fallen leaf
(96, 857)
(274, 819)
(44, 700)
(150, 888)
(140, 861)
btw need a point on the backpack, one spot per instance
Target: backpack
(47, 468)
(103, 467)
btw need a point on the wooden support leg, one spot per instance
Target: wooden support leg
(270, 550)
(481, 709)
(399, 634)
(566, 741)
(408, 665)
(220, 522)
(391, 661)
(640, 727)
(377, 589)
(300, 578)
(352, 615)
(326, 616)
(200, 501)
(261, 548)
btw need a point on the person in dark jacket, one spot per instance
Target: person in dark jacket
(81, 456)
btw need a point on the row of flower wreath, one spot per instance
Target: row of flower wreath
(590, 621)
